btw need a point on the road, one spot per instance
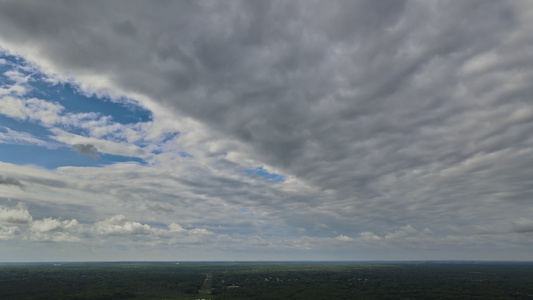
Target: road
(206, 287)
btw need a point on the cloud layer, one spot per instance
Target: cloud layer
(389, 123)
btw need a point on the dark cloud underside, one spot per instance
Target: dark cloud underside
(86, 149)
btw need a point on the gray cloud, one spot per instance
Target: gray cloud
(398, 115)
(11, 181)
(523, 225)
(86, 149)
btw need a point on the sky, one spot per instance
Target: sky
(266, 130)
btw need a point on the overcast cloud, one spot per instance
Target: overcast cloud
(399, 129)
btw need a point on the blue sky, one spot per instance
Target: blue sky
(352, 130)
(71, 102)
(47, 152)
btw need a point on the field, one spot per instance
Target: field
(267, 280)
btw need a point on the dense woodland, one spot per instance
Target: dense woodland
(268, 280)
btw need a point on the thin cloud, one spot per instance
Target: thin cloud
(14, 137)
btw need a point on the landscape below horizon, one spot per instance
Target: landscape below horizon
(267, 280)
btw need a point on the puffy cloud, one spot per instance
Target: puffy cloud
(200, 231)
(52, 225)
(49, 229)
(8, 232)
(14, 89)
(174, 227)
(119, 225)
(369, 236)
(31, 109)
(344, 238)
(15, 215)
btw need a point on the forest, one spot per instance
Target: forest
(267, 280)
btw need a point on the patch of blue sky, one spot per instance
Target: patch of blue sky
(4, 68)
(4, 80)
(169, 136)
(184, 154)
(10, 60)
(24, 126)
(12, 63)
(180, 153)
(123, 110)
(156, 151)
(60, 157)
(261, 172)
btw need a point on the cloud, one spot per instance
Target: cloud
(102, 145)
(407, 232)
(86, 149)
(318, 225)
(369, 236)
(379, 114)
(8, 232)
(174, 227)
(15, 215)
(11, 181)
(523, 225)
(344, 238)
(49, 229)
(402, 233)
(31, 109)
(119, 225)
(14, 89)
(52, 225)
(23, 138)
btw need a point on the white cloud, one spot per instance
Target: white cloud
(199, 231)
(18, 90)
(33, 109)
(119, 225)
(369, 236)
(103, 146)
(344, 238)
(174, 227)
(8, 232)
(23, 138)
(49, 229)
(15, 215)
(16, 76)
(52, 225)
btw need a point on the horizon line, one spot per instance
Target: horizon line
(270, 261)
